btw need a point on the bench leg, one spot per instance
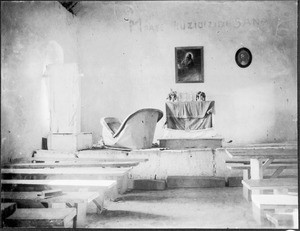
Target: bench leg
(71, 224)
(124, 184)
(99, 206)
(81, 214)
(296, 219)
(256, 172)
(259, 216)
(246, 192)
(283, 191)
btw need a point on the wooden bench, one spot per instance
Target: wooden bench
(118, 174)
(101, 184)
(123, 164)
(247, 162)
(104, 187)
(279, 165)
(272, 166)
(48, 155)
(244, 164)
(79, 200)
(271, 184)
(277, 185)
(60, 156)
(281, 220)
(42, 218)
(261, 203)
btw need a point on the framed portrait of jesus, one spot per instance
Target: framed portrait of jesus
(189, 64)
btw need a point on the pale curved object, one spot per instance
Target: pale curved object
(135, 132)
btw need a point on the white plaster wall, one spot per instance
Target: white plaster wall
(127, 55)
(126, 52)
(27, 31)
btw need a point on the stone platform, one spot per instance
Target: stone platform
(163, 163)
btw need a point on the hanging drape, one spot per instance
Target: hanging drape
(191, 115)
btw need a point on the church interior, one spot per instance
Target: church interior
(149, 114)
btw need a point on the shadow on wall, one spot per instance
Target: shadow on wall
(284, 129)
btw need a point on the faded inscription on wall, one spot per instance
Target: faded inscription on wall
(138, 25)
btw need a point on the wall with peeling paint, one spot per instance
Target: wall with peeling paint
(33, 34)
(127, 55)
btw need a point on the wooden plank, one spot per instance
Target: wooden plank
(277, 183)
(53, 153)
(66, 197)
(281, 219)
(82, 155)
(293, 144)
(262, 155)
(50, 193)
(272, 166)
(80, 199)
(247, 161)
(41, 218)
(83, 183)
(278, 171)
(83, 160)
(65, 165)
(266, 163)
(266, 201)
(68, 171)
(263, 152)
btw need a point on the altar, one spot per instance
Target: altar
(189, 115)
(189, 124)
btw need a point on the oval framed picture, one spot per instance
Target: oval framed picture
(243, 57)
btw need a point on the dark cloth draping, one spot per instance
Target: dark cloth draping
(192, 115)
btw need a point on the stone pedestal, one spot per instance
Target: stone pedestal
(64, 84)
(70, 141)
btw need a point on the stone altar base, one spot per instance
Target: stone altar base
(191, 143)
(69, 141)
(164, 163)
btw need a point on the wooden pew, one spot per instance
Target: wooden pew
(281, 220)
(277, 184)
(114, 164)
(257, 158)
(106, 188)
(59, 156)
(100, 184)
(244, 165)
(247, 161)
(79, 200)
(261, 203)
(42, 218)
(118, 174)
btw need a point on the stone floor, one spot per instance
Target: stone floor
(178, 208)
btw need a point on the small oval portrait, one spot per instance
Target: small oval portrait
(243, 57)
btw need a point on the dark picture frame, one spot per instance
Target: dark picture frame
(189, 64)
(243, 57)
